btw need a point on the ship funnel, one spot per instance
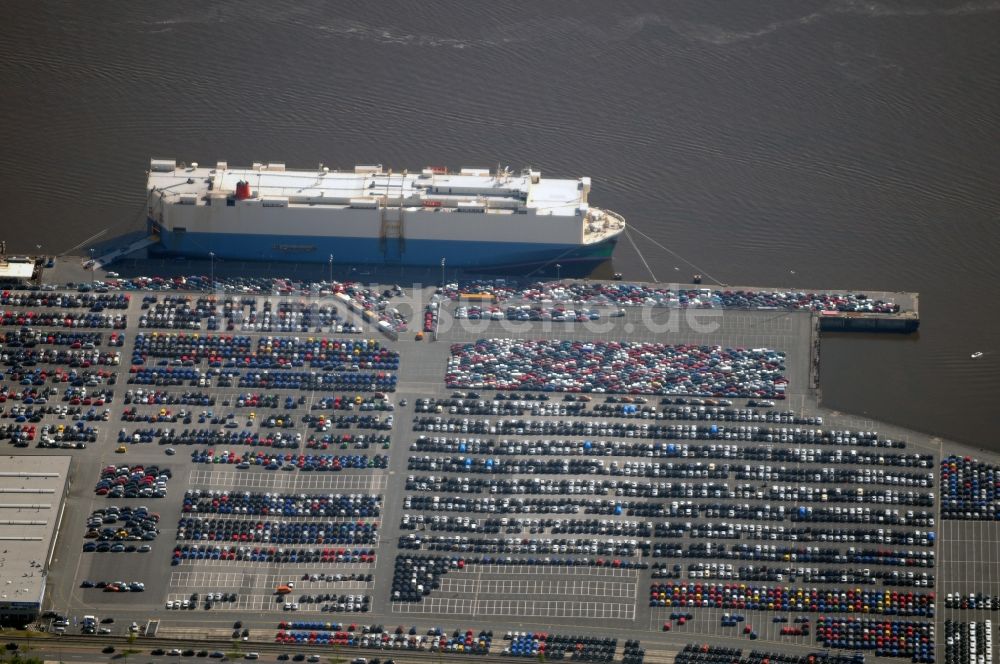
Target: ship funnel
(243, 190)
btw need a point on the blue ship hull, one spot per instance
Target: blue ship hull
(361, 251)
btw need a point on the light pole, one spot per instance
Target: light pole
(442, 272)
(331, 268)
(211, 256)
(558, 272)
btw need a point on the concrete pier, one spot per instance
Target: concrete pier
(591, 600)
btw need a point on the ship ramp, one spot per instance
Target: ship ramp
(100, 262)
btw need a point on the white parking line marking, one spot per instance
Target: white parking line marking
(371, 481)
(478, 587)
(518, 607)
(212, 580)
(508, 570)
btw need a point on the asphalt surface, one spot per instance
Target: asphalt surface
(603, 601)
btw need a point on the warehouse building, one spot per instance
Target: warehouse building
(32, 492)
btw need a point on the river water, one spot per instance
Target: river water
(837, 144)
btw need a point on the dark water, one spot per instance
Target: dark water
(839, 144)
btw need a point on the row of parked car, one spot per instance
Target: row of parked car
(277, 532)
(790, 598)
(970, 489)
(523, 312)
(635, 294)
(133, 482)
(974, 601)
(804, 554)
(968, 642)
(208, 501)
(271, 555)
(558, 545)
(377, 638)
(516, 526)
(723, 451)
(113, 528)
(210, 600)
(617, 367)
(708, 654)
(162, 397)
(326, 381)
(886, 638)
(277, 439)
(266, 352)
(28, 337)
(74, 358)
(39, 299)
(115, 586)
(545, 646)
(62, 319)
(344, 441)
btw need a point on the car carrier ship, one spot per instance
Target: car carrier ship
(470, 219)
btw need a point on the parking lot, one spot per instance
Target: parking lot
(511, 575)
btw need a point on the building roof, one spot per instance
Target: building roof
(17, 268)
(31, 493)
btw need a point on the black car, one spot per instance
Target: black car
(156, 652)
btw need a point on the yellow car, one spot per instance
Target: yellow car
(121, 449)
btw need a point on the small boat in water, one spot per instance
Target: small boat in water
(977, 354)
